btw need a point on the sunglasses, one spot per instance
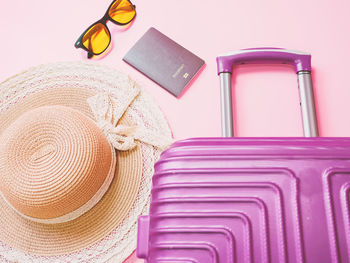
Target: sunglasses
(96, 39)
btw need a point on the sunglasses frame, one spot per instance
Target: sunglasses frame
(103, 21)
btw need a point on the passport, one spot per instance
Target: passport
(164, 61)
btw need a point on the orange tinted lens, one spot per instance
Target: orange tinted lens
(96, 39)
(122, 11)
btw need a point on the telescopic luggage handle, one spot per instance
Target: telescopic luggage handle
(302, 65)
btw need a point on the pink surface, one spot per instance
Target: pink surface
(266, 97)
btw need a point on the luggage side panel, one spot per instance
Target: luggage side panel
(229, 201)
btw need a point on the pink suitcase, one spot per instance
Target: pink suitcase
(228, 200)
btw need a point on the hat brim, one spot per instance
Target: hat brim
(44, 239)
(108, 214)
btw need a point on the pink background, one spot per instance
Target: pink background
(266, 101)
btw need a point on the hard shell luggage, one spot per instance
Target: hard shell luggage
(225, 200)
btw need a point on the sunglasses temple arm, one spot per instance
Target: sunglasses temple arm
(123, 8)
(127, 8)
(91, 32)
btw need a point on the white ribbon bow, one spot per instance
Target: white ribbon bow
(108, 112)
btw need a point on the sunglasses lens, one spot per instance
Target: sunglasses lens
(122, 11)
(97, 38)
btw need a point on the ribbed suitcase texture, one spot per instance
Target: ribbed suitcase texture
(225, 200)
(250, 200)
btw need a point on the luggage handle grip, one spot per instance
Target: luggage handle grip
(300, 60)
(302, 63)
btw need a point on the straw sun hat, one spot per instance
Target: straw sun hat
(78, 143)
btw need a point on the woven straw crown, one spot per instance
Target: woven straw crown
(55, 163)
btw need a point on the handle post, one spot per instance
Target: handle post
(307, 104)
(226, 105)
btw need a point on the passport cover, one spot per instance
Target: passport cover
(164, 61)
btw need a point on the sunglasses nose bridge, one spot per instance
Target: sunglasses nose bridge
(104, 19)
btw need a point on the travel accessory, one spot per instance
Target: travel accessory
(228, 200)
(96, 38)
(66, 194)
(164, 61)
